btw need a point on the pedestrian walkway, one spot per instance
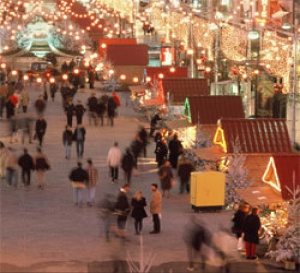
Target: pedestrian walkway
(42, 231)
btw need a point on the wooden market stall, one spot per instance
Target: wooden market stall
(254, 136)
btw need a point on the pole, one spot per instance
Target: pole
(295, 76)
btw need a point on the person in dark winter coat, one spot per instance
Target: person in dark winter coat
(40, 105)
(250, 230)
(175, 149)
(166, 175)
(239, 219)
(41, 165)
(79, 111)
(26, 163)
(67, 138)
(138, 204)
(153, 123)
(79, 137)
(40, 129)
(122, 209)
(161, 152)
(184, 170)
(143, 136)
(70, 111)
(111, 110)
(78, 177)
(127, 164)
(101, 109)
(136, 147)
(92, 106)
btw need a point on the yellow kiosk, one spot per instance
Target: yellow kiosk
(207, 190)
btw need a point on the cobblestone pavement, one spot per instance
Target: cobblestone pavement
(42, 231)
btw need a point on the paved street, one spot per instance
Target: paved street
(42, 231)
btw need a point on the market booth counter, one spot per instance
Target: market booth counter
(207, 190)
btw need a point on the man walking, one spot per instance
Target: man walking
(114, 160)
(79, 137)
(78, 178)
(155, 208)
(122, 210)
(26, 163)
(11, 164)
(40, 129)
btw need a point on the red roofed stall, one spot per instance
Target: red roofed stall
(283, 171)
(260, 136)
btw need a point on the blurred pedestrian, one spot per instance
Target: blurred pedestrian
(114, 161)
(185, 167)
(166, 176)
(79, 111)
(3, 154)
(25, 99)
(239, 222)
(175, 149)
(101, 110)
(78, 177)
(250, 230)
(138, 204)
(11, 164)
(41, 165)
(79, 137)
(143, 136)
(127, 164)
(156, 209)
(67, 139)
(3, 95)
(40, 129)
(69, 111)
(40, 105)
(92, 103)
(161, 151)
(195, 236)
(26, 163)
(53, 89)
(111, 110)
(122, 210)
(153, 123)
(106, 209)
(92, 182)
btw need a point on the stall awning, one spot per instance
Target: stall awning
(212, 153)
(259, 195)
(176, 124)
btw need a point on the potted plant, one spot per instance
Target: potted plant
(288, 245)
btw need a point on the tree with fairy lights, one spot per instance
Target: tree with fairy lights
(288, 245)
(237, 175)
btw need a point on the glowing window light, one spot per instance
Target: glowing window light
(270, 176)
(123, 77)
(219, 139)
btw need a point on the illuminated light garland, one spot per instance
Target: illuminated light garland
(275, 55)
(234, 43)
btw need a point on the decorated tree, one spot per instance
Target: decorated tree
(201, 139)
(237, 175)
(288, 246)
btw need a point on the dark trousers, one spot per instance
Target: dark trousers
(26, 177)
(138, 225)
(128, 175)
(80, 148)
(114, 173)
(79, 119)
(69, 120)
(40, 138)
(156, 222)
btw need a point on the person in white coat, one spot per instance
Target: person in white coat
(114, 160)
